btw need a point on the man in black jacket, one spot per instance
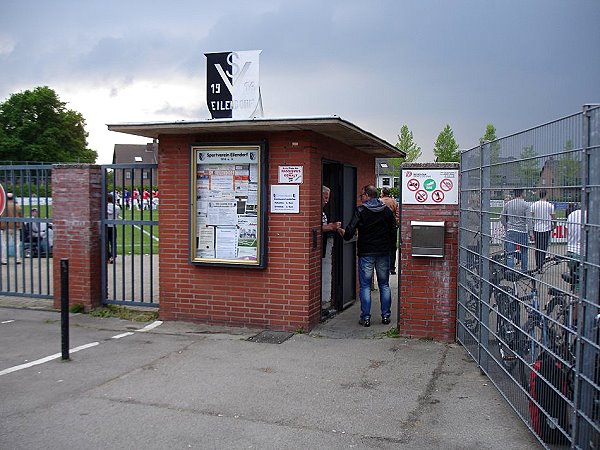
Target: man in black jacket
(376, 227)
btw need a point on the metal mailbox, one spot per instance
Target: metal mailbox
(427, 238)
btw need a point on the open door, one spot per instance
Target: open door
(341, 179)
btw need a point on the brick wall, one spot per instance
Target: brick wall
(286, 294)
(76, 211)
(428, 285)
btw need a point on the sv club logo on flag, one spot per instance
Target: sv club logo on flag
(232, 84)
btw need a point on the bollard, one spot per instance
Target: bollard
(64, 307)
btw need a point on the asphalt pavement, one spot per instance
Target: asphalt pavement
(177, 385)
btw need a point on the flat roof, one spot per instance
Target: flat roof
(333, 127)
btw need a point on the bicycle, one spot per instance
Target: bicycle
(551, 377)
(520, 298)
(508, 313)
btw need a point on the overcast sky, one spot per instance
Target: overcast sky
(378, 64)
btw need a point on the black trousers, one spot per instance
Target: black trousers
(111, 242)
(542, 240)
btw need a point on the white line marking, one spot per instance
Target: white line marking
(119, 336)
(76, 349)
(146, 233)
(7, 321)
(151, 326)
(46, 359)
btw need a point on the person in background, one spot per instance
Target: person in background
(376, 227)
(37, 237)
(113, 212)
(127, 197)
(327, 262)
(574, 225)
(9, 237)
(516, 220)
(542, 214)
(391, 203)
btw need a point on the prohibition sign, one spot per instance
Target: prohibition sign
(413, 184)
(437, 196)
(446, 184)
(421, 196)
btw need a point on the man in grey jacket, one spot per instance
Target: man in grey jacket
(516, 220)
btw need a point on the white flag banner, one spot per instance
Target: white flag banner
(233, 84)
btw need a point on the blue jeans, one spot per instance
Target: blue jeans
(381, 264)
(510, 246)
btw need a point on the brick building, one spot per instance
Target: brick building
(285, 293)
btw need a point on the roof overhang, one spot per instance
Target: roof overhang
(332, 127)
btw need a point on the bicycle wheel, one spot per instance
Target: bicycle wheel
(507, 332)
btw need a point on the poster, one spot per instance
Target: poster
(226, 197)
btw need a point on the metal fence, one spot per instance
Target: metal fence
(26, 232)
(130, 235)
(528, 288)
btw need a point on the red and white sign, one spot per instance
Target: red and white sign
(437, 196)
(291, 174)
(2, 199)
(430, 187)
(413, 185)
(421, 196)
(446, 184)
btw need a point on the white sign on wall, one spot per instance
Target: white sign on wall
(430, 187)
(291, 174)
(285, 198)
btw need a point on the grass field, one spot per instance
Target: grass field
(137, 239)
(131, 238)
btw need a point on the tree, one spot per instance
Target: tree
(496, 174)
(407, 145)
(528, 169)
(490, 136)
(36, 126)
(446, 148)
(568, 174)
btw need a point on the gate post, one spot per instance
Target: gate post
(77, 214)
(428, 285)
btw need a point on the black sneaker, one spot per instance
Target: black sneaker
(385, 320)
(365, 322)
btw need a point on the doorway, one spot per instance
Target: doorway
(341, 179)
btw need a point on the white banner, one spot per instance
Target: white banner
(233, 84)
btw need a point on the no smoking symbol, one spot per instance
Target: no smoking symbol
(437, 196)
(421, 196)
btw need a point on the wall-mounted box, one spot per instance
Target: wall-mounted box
(427, 238)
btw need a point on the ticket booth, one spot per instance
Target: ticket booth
(240, 216)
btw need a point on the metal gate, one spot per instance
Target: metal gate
(529, 314)
(130, 234)
(26, 232)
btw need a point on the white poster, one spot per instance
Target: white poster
(285, 198)
(226, 200)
